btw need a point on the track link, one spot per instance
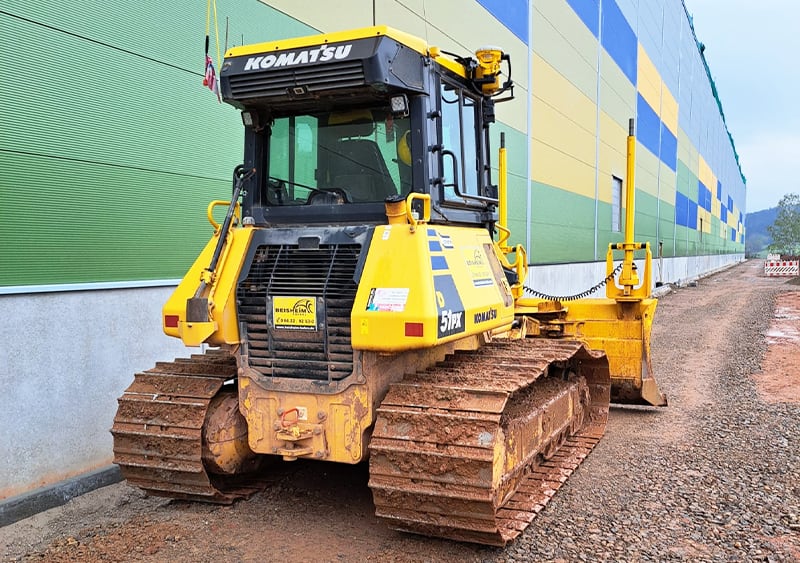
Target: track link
(158, 430)
(475, 447)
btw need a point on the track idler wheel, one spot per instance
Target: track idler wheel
(225, 447)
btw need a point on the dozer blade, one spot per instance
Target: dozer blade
(622, 331)
(475, 447)
(158, 431)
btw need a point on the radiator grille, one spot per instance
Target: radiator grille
(285, 270)
(277, 82)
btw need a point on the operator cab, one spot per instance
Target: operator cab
(334, 128)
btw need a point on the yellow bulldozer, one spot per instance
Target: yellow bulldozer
(361, 301)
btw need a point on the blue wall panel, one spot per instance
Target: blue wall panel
(669, 147)
(589, 12)
(670, 61)
(648, 30)
(692, 215)
(511, 13)
(703, 196)
(648, 125)
(619, 40)
(681, 209)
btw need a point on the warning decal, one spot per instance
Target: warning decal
(478, 266)
(387, 299)
(294, 313)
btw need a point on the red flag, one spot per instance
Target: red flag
(210, 79)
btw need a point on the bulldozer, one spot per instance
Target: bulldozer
(360, 302)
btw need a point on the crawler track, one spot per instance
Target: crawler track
(474, 448)
(158, 430)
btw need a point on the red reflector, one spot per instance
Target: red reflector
(171, 321)
(414, 329)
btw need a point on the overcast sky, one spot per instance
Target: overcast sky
(753, 51)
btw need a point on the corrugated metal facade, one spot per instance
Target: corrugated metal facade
(111, 148)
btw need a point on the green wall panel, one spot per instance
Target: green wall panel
(686, 181)
(113, 148)
(562, 225)
(561, 39)
(646, 218)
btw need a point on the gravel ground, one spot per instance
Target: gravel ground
(716, 476)
(713, 477)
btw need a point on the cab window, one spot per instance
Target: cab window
(352, 156)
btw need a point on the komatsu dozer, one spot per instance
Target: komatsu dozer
(360, 301)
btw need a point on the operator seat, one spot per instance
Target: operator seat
(357, 166)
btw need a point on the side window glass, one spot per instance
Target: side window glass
(451, 137)
(305, 143)
(470, 154)
(460, 138)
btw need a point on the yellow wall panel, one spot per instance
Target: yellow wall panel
(348, 14)
(704, 219)
(553, 128)
(667, 181)
(705, 174)
(687, 153)
(617, 94)
(613, 148)
(669, 110)
(563, 123)
(733, 217)
(647, 165)
(715, 207)
(558, 129)
(464, 26)
(649, 80)
(556, 168)
(405, 16)
(558, 92)
(564, 41)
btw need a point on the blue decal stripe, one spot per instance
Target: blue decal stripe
(439, 263)
(434, 246)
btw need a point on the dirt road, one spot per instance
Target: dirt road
(716, 476)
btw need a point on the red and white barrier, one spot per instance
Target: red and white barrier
(782, 267)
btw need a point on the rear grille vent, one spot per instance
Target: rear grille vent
(326, 275)
(314, 79)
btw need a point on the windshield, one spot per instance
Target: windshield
(354, 156)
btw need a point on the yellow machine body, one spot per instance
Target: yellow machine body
(433, 285)
(221, 328)
(362, 300)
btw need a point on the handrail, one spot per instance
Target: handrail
(426, 209)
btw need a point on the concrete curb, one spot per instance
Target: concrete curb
(25, 505)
